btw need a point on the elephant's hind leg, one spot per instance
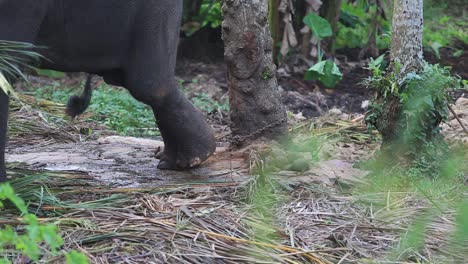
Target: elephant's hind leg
(188, 139)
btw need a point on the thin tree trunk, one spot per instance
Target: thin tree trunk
(407, 49)
(275, 26)
(331, 11)
(371, 49)
(255, 101)
(407, 54)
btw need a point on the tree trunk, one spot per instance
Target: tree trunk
(331, 11)
(255, 100)
(407, 53)
(407, 49)
(275, 26)
(371, 49)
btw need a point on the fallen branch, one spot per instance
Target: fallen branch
(458, 119)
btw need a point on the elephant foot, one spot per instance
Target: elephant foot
(185, 157)
(188, 138)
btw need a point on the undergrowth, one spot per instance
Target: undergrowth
(428, 199)
(30, 238)
(445, 25)
(119, 111)
(113, 107)
(413, 136)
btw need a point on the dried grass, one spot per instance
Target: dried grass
(206, 223)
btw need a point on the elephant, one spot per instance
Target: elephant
(130, 43)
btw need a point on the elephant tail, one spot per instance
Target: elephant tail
(77, 105)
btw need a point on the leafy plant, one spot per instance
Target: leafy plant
(34, 236)
(443, 25)
(326, 72)
(13, 57)
(210, 14)
(356, 23)
(423, 101)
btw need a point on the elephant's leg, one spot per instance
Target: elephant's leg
(3, 132)
(19, 21)
(150, 78)
(188, 139)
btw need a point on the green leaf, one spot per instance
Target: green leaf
(319, 25)
(29, 247)
(74, 257)
(435, 46)
(7, 192)
(50, 73)
(316, 71)
(326, 72)
(428, 101)
(5, 85)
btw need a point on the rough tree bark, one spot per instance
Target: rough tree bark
(407, 52)
(407, 48)
(255, 99)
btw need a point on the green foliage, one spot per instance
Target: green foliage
(114, 107)
(326, 72)
(210, 14)
(50, 73)
(443, 25)
(74, 257)
(34, 236)
(208, 105)
(423, 100)
(7, 193)
(14, 56)
(320, 27)
(356, 23)
(122, 113)
(390, 185)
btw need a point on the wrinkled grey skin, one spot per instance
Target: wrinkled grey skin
(131, 43)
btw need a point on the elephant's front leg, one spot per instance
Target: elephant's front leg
(3, 131)
(188, 139)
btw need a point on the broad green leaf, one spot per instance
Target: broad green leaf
(326, 72)
(319, 25)
(377, 62)
(316, 71)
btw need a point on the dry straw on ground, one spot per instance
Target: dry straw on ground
(216, 223)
